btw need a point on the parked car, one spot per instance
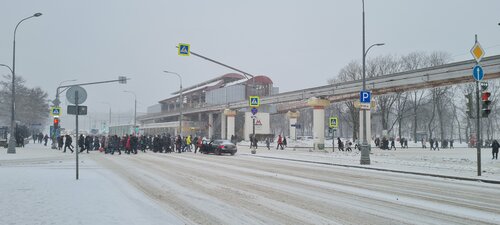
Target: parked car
(218, 147)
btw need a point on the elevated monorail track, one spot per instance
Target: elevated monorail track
(432, 77)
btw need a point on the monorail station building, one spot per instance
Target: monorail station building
(216, 108)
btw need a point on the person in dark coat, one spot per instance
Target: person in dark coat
(114, 144)
(393, 144)
(340, 144)
(178, 143)
(45, 139)
(494, 149)
(88, 143)
(81, 142)
(68, 142)
(60, 142)
(96, 143)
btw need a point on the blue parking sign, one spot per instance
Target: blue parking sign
(365, 96)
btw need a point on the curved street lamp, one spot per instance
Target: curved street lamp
(8, 67)
(12, 141)
(180, 99)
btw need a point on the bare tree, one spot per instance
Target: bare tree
(31, 103)
(352, 71)
(413, 61)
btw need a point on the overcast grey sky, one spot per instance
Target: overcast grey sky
(298, 44)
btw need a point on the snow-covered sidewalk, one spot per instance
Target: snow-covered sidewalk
(458, 162)
(38, 186)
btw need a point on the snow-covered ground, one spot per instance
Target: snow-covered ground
(460, 161)
(39, 186)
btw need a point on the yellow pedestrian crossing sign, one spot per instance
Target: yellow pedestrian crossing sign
(184, 49)
(334, 122)
(55, 111)
(254, 101)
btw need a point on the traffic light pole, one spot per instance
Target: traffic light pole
(478, 120)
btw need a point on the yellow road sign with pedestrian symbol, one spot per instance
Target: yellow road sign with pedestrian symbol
(254, 101)
(55, 111)
(334, 122)
(184, 49)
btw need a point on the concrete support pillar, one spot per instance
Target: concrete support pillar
(230, 114)
(292, 116)
(223, 125)
(210, 125)
(318, 121)
(368, 126)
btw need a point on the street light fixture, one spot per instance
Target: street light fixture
(180, 100)
(8, 67)
(365, 145)
(12, 141)
(135, 108)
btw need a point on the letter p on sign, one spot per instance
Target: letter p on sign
(364, 97)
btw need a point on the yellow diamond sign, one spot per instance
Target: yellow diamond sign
(477, 51)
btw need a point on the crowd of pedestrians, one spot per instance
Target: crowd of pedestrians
(130, 144)
(166, 143)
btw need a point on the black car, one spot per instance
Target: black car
(218, 147)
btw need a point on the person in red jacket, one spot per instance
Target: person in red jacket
(280, 142)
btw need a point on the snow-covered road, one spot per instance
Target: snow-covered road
(209, 189)
(38, 186)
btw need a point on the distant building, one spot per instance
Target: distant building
(203, 101)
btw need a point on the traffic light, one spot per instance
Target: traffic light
(56, 122)
(485, 97)
(468, 101)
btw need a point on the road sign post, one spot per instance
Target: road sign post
(333, 124)
(254, 102)
(76, 95)
(478, 74)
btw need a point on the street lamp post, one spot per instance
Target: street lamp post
(365, 145)
(135, 108)
(12, 141)
(180, 100)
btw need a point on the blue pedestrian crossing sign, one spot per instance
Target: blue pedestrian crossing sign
(184, 49)
(364, 97)
(478, 73)
(55, 111)
(254, 101)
